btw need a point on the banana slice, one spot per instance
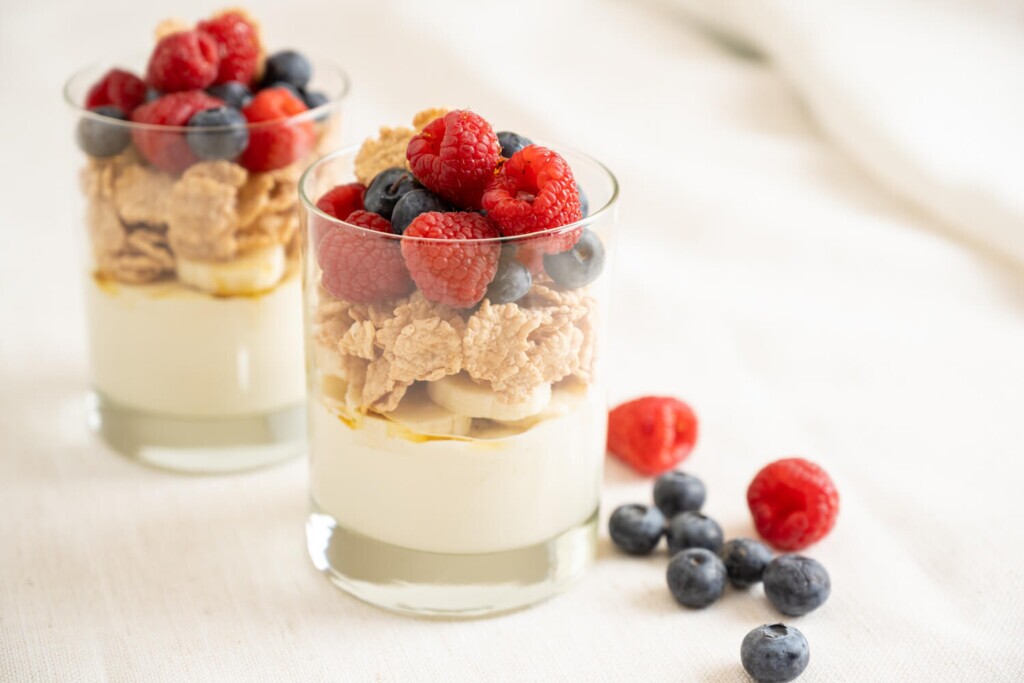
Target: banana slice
(420, 415)
(251, 273)
(463, 396)
(564, 399)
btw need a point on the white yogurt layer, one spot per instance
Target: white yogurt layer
(458, 495)
(165, 348)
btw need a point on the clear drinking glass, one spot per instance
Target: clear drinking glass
(456, 454)
(192, 285)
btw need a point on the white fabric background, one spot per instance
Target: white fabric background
(796, 303)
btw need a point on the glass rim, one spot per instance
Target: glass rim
(353, 149)
(309, 115)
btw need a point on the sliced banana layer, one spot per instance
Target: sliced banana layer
(564, 399)
(252, 273)
(420, 415)
(463, 396)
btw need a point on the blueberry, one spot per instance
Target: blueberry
(584, 202)
(796, 584)
(288, 66)
(676, 492)
(693, 530)
(636, 529)
(775, 654)
(234, 93)
(103, 138)
(153, 94)
(745, 560)
(580, 265)
(314, 98)
(386, 189)
(511, 282)
(696, 577)
(287, 86)
(412, 204)
(512, 143)
(227, 139)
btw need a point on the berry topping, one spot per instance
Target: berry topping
(652, 434)
(315, 99)
(636, 529)
(287, 86)
(276, 146)
(412, 204)
(794, 503)
(387, 188)
(218, 133)
(580, 265)
(696, 578)
(238, 46)
(168, 150)
(745, 560)
(693, 530)
(233, 93)
(796, 585)
(512, 143)
(448, 269)
(512, 281)
(100, 138)
(119, 88)
(534, 191)
(342, 200)
(359, 267)
(584, 202)
(455, 156)
(676, 492)
(288, 66)
(183, 61)
(775, 654)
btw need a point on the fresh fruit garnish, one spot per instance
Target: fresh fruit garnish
(119, 88)
(512, 143)
(696, 577)
(676, 492)
(342, 200)
(225, 143)
(187, 60)
(234, 94)
(775, 654)
(287, 66)
(387, 188)
(276, 146)
(455, 157)
(745, 559)
(314, 99)
(796, 585)
(584, 202)
(238, 47)
(636, 529)
(534, 191)
(580, 265)
(448, 269)
(362, 268)
(693, 530)
(100, 138)
(412, 204)
(794, 503)
(512, 281)
(168, 150)
(652, 434)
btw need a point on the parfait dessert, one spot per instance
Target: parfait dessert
(455, 287)
(193, 294)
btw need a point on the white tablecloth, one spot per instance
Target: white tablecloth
(793, 301)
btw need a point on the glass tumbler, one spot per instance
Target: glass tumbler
(192, 280)
(456, 453)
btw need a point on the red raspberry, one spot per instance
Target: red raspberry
(362, 268)
(535, 190)
(339, 202)
(794, 503)
(168, 150)
(123, 89)
(652, 434)
(278, 145)
(455, 157)
(187, 60)
(238, 45)
(451, 271)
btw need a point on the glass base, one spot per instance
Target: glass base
(199, 446)
(448, 585)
